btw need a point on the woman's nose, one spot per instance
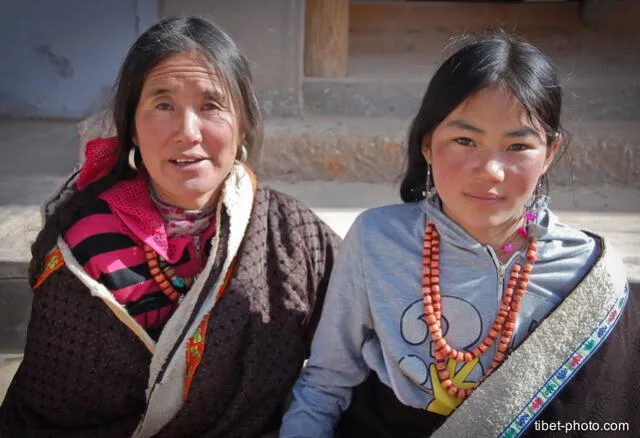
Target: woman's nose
(190, 127)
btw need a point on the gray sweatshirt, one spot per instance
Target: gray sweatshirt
(373, 315)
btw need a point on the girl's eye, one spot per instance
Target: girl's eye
(163, 106)
(518, 147)
(464, 141)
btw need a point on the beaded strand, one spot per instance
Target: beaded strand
(503, 325)
(165, 276)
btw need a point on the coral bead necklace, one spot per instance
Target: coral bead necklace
(503, 325)
(165, 276)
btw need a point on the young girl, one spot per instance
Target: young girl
(469, 310)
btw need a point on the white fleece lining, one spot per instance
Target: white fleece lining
(165, 399)
(495, 403)
(100, 291)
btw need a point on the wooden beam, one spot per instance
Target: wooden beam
(326, 38)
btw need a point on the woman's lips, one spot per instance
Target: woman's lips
(188, 163)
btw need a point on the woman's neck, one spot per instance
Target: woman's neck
(180, 222)
(201, 202)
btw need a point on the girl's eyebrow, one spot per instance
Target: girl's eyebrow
(521, 132)
(463, 124)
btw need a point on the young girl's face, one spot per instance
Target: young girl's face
(487, 157)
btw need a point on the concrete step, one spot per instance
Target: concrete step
(387, 96)
(372, 150)
(428, 27)
(8, 366)
(36, 157)
(394, 48)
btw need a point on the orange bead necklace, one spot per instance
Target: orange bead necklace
(165, 276)
(503, 326)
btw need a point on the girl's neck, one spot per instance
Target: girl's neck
(504, 239)
(497, 236)
(507, 241)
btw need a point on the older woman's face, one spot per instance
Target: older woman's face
(187, 131)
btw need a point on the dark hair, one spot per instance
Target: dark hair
(166, 38)
(498, 59)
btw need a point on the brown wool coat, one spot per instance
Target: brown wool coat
(85, 373)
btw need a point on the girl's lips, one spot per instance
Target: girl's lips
(484, 198)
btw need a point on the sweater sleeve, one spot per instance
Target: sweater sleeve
(323, 390)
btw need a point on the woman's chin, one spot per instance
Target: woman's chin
(191, 197)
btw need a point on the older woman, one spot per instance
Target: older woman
(173, 295)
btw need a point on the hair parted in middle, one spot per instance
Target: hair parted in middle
(483, 61)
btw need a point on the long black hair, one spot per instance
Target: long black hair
(497, 59)
(166, 38)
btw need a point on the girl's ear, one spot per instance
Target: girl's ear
(551, 153)
(426, 148)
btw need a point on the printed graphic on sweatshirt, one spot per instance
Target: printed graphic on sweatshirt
(421, 368)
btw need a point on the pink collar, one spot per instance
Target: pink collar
(131, 202)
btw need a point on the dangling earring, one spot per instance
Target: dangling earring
(530, 210)
(132, 159)
(538, 192)
(535, 196)
(242, 152)
(429, 188)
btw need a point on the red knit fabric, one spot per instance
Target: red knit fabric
(101, 155)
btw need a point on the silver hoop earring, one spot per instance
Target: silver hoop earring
(132, 159)
(243, 152)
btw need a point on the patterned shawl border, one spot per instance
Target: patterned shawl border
(566, 371)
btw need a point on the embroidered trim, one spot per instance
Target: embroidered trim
(565, 372)
(52, 263)
(195, 345)
(195, 351)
